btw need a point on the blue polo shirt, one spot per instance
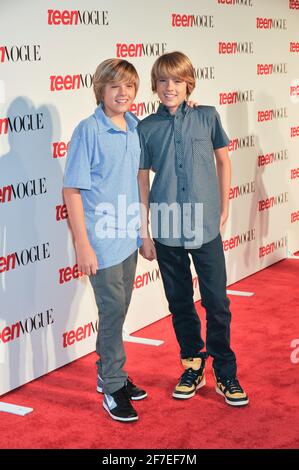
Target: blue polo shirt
(180, 150)
(103, 162)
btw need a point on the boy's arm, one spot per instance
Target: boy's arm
(86, 258)
(148, 249)
(224, 178)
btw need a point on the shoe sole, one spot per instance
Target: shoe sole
(185, 397)
(139, 398)
(232, 403)
(100, 390)
(117, 418)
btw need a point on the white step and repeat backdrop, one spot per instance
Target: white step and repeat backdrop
(246, 58)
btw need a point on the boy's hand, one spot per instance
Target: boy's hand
(86, 259)
(148, 250)
(191, 104)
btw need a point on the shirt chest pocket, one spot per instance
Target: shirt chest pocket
(202, 151)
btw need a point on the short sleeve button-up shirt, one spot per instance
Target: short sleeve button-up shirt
(180, 150)
(103, 162)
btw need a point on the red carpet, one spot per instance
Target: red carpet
(68, 412)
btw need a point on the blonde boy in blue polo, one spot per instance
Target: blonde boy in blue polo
(101, 194)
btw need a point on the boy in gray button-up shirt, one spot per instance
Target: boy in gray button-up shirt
(189, 206)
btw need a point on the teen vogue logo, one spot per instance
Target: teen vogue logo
(26, 256)
(26, 123)
(242, 190)
(272, 114)
(70, 82)
(146, 278)
(144, 107)
(235, 47)
(271, 23)
(73, 336)
(141, 49)
(191, 21)
(272, 69)
(23, 190)
(78, 17)
(245, 142)
(272, 157)
(272, 247)
(33, 323)
(234, 97)
(23, 53)
(265, 204)
(240, 239)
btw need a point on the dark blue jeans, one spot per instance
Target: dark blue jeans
(209, 263)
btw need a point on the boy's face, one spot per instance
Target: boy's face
(118, 97)
(172, 92)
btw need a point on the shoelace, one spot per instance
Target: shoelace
(232, 385)
(123, 397)
(189, 376)
(128, 382)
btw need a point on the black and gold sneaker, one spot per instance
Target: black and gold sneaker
(192, 379)
(231, 390)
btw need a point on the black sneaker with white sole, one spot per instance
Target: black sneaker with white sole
(119, 407)
(135, 392)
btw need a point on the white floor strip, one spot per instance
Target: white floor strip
(136, 339)
(15, 409)
(239, 292)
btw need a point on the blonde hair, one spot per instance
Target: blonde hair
(113, 71)
(174, 64)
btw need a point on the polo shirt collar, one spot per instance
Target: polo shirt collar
(164, 111)
(105, 123)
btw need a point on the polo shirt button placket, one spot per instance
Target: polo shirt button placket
(178, 146)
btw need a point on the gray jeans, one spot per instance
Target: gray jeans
(113, 290)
